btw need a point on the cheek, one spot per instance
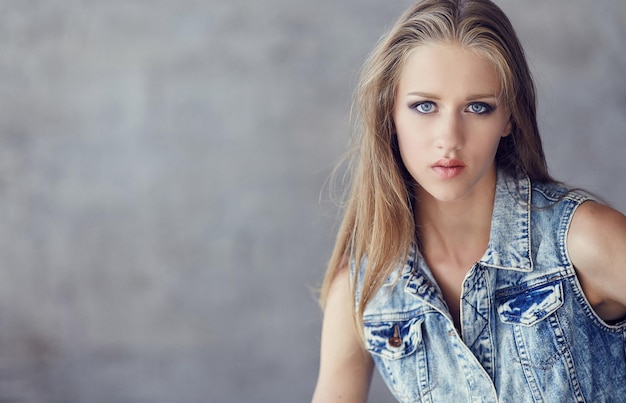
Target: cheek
(505, 122)
(412, 148)
(411, 129)
(407, 142)
(508, 127)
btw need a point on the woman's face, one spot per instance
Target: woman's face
(449, 121)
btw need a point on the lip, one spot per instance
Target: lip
(448, 168)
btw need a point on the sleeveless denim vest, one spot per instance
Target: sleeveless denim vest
(528, 334)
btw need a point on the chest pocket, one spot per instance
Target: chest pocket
(532, 305)
(393, 339)
(533, 333)
(397, 348)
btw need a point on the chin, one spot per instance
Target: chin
(449, 198)
(443, 196)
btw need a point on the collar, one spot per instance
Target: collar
(509, 239)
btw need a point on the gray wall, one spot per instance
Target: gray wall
(164, 218)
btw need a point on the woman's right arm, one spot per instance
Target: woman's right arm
(345, 367)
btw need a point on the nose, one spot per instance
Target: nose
(449, 135)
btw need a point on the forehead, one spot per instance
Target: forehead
(448, 67)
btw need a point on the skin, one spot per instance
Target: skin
(595, 244)
(345, 367)
(447, 110)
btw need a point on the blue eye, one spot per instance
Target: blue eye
(424, 107)
(479, 108)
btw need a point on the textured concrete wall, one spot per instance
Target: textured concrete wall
(161, 166)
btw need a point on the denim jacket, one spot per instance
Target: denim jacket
(528, 334)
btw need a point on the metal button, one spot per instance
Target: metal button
(395, 340)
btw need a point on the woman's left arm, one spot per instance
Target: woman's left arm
(596, 244)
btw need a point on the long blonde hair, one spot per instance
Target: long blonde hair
(378, 222)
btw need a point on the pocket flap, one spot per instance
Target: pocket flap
(532, 305)
(393, 339)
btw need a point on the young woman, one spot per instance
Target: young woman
(462, 270)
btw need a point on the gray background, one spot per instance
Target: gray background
(165, 220)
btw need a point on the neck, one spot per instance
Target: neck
(456, 231)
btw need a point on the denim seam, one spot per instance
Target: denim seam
(569, 362)
(529, 374)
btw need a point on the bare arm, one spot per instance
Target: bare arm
(597, 248)
(345, 367)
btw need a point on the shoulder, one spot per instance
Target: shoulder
(596, 245)
(596, 231)
(552, 191)
(556, 198)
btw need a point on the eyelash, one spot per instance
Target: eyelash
(417, 105)
(486, 108)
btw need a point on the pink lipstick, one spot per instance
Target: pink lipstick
(448, 168)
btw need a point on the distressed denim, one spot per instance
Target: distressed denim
(528, 334)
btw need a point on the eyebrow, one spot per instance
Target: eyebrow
(436, 97)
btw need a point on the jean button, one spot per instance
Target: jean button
(395, 340)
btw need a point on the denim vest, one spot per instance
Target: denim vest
(528, 334)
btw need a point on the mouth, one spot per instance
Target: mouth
(448, 168)
(448, 163)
